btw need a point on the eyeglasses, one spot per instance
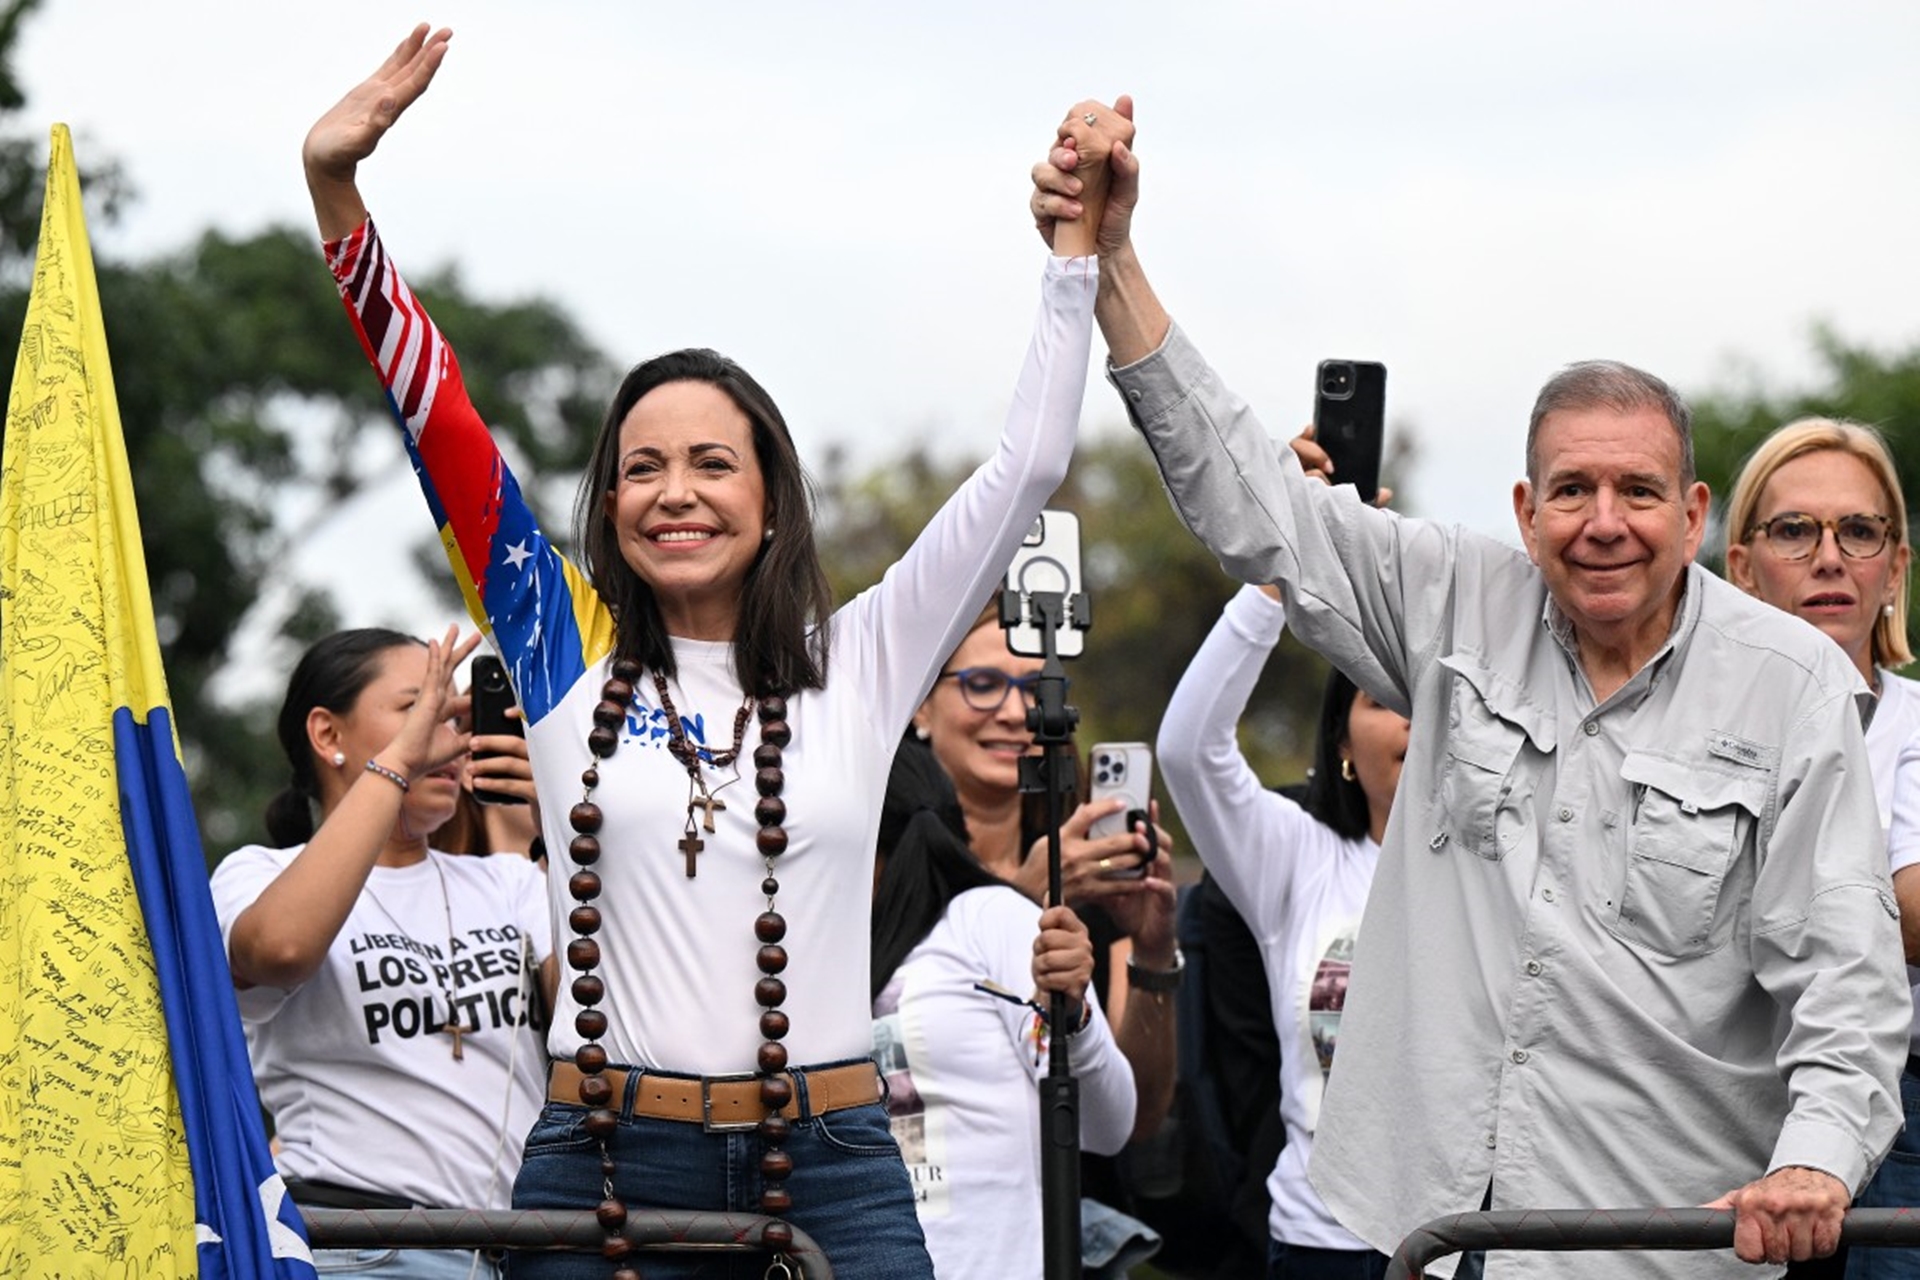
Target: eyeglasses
(1795, 535)
(985, 688)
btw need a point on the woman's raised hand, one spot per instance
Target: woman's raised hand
(428, 740)
(353, 127)
(1084, 192)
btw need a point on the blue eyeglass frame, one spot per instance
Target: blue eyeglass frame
(1025, 684)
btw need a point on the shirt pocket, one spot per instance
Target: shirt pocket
(1482, 769)
(1690, 826)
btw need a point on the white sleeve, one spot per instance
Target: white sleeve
(898, 632)
(1903, 836)
(1249, 837)
(236, 885)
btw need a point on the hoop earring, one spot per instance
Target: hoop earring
(1346, 769)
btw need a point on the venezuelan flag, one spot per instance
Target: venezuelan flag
(130, 1134)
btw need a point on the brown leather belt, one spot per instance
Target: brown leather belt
(722, 1104)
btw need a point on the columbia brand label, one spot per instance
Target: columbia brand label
(1738, 750)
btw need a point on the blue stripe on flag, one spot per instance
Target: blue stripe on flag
(233, 1174)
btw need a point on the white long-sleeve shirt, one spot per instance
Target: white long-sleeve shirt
(1299, 885)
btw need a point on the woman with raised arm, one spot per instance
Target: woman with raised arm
(1297, 873)
(382, 979)
(720, 908)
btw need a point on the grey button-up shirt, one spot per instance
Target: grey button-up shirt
(1627, 954)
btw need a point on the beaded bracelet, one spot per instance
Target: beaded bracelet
(397, 779)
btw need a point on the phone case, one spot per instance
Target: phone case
(1048, 559)
(1349, 421)
(492, 694)
(1123, 770)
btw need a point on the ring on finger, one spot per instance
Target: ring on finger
(1105, 864)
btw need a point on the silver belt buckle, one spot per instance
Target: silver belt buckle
(707, 1123)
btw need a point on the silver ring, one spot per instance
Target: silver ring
(1091, 118)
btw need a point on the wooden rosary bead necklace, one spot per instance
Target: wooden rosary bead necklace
(769, 929)
(683, 750)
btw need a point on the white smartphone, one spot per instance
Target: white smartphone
(1048, 559)
(1123, 771)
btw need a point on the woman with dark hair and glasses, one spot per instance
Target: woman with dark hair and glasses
(1818, 527)
(975, 720)
(1298, 874)
(721, 734)
(956, 953)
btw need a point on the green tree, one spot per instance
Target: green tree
(1155, 590)
(1852, 381)
(250, 419)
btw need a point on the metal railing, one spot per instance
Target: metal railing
(651, 1231)
(1566, 1230)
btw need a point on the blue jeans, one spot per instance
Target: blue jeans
(1303, 1262)
(405, 1264)
(1895, 1186)
(849, 1186)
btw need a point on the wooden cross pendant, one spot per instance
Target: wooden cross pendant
(456, 1029)
(710, 805)
(691, 845)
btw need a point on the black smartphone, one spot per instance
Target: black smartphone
(1349, 421)
(492, 695)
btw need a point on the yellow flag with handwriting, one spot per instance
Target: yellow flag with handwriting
(130, 1134)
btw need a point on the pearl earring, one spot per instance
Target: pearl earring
(1886, 611)
(339, 759)
(766, 535)
(921, 732)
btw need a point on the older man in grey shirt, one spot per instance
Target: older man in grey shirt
(1631, 941)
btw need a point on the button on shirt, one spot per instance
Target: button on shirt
(1628, 954)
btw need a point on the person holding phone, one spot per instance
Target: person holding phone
(499, 810)
(380, 978)
(723, 736)
(1631, 938)
(956, 951)
(1298, 874)
(975, 721)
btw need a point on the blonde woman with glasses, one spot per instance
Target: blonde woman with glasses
(1818, 527)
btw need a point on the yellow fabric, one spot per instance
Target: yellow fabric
(94, 1178)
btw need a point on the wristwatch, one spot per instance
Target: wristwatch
(1156, 980)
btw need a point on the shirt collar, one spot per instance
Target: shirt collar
(1686, 618)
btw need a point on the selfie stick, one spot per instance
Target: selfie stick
(1053, 772)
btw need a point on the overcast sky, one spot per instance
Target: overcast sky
(835, 194)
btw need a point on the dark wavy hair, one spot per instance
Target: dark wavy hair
(1332, 799)
(333, 673)
(781, 645)
(926, 860)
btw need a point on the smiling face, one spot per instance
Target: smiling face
(689, 505)
(980, 750)
(367, 727)
(1842, 595)
(1610, 523)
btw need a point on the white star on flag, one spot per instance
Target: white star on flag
(517, 554)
